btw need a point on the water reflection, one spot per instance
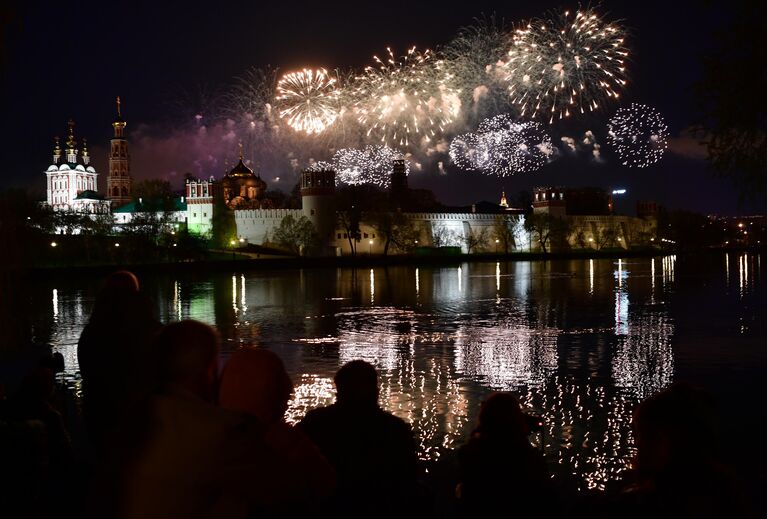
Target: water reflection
(581, 341)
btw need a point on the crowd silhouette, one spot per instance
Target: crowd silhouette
(171, 433)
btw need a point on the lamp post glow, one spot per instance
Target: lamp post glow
(370, 247)
(54, 244)
(496, 245)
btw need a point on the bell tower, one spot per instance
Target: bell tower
(119, 180)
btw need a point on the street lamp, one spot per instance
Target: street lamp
(370, 247)
(54, 244)
(496, 245)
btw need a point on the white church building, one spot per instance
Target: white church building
(72, 182)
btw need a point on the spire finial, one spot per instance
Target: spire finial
(118, 107)
(240, 149)
(71, 134)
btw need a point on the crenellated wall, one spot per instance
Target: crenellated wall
(256, 225)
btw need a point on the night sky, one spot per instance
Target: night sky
(70, 59)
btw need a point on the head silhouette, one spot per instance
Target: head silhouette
(188, 352)
(121, 281)
(357, 384)
(255, 382)
(501, 417)
(676, 426)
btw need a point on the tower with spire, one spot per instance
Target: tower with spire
(119, 181)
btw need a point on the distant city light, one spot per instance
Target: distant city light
(619, 191)
(54, 244)
(117, 244)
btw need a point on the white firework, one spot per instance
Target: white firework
(502, 146)
(308, 100)
(566, 64)
(405, 101)
(638, 134)
(372, 164)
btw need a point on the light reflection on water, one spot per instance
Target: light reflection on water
(580, 341)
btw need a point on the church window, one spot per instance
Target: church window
(312, 212)
(204, 215)
(365, 235)
(194, 215)
(345, 236)
(338, 236)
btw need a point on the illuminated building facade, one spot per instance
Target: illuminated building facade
(243, 189)
(72, 182)
(200, 195)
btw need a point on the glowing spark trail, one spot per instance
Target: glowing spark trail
(638, 134)
(405, 101)
(502, 146)
(370, 165)
(308, 100)
(565, 65)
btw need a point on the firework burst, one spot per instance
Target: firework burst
(405, 101)
(471, 60)
(372, 164)
(308, 100)
(466, 151)
(565, 65)
(638, 134)
(502, 146)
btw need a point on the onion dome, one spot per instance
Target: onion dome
(241, 171)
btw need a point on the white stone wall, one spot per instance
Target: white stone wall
(256, 225)
(451, 229)
(199, 217)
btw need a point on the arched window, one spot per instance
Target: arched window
(125, 191)
(115, 191)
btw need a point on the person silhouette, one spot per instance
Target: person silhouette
(677, 471)
(116, 365)
(498, 467)
(372, 451)
(255, 383)
(195, 459)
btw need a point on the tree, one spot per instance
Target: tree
(441, 236)
(98, 224)
(296, 234)
(503, 232)
(733, 107)
(607, 235)
(350, 200)
(474, 239)
(547, 228)
(349, 221)
(396, 229)
(579, 235)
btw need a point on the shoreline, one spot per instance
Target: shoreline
(360, 261)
